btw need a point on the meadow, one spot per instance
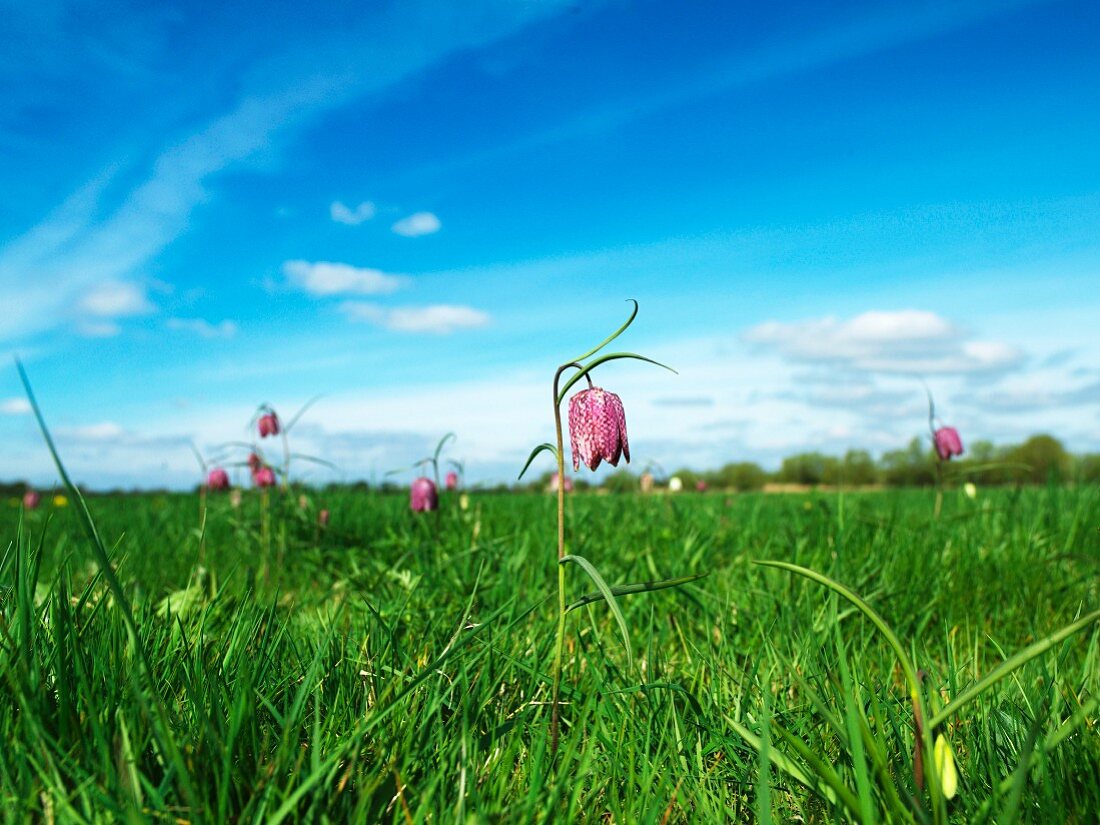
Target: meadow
(395, 666)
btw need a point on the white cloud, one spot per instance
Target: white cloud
(327, 278)
(203, 328)
(352, 217)
(115, 299)
(15, 406)
(103, 431)
(98, 329)
(419, 223)
(439, 319)
(904, 342)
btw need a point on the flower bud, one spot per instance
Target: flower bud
(947, 443)
(264, 477)
(452, 480)
(675, 484)
(268, 424)
(597, 428)
(423, 496)
(218, 479)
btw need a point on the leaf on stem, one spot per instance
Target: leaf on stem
(544, 447)
(603, 359)
(613, 335)
(601, 585)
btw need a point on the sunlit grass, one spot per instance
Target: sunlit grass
(378, 673)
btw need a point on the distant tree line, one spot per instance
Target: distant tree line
(1039, 460)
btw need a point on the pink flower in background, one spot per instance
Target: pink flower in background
(268, 424)
(700, 486)
(423, 496)
(264, 477)
(452, 480)
(254, 463)
(31, 500)
(218, 479)
(554, 484)
(597, 428)
(322, 518)
(947, 443)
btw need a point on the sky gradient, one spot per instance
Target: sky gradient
(418, 211)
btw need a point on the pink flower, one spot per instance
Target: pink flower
(554, 484)
(268, 424)
(254, 463)
(423, 496)
(947, 443)
(452, 480)
(218, 479)
(700, 486)
(31, 500)
(322, 518)
(597, 428)
(264, 477)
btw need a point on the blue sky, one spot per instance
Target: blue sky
(419, 209)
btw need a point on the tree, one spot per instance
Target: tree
(1045, 458)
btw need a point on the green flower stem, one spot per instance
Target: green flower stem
(559, 645)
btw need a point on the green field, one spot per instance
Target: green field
(395, 667)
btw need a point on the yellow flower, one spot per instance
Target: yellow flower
(945, 766)
(970, 489)
(60, 501)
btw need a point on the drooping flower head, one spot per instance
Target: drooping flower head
(268, 424)
(452, 480)
(264, 477)
(322, 518)
(597, 428)
(31, 500)
(675, 484)
(423, 496)
(947, 443)
(218, 479)
(700, 486)
(254, 463)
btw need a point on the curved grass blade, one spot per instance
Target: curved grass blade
(866, 609)
(631, 589)
(442, 442)
(314, 460)
(301, 412)
(1009, 665)
(603, 359)
(154, 704)
(544, 447)
(601, 585)
(843, 795)
(613, 335)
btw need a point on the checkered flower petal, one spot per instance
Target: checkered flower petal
(597, 428)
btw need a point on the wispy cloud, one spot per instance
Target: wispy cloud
(204, 328)
(419, 223)
(905, 342)
(322, 278)
(439, 319)
(15, 406)
(109, 231)
(102, 431)
(115, 299)
(352, 217)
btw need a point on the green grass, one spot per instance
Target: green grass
(394, 668)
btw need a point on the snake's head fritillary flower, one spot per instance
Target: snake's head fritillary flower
(264, 477)
(947, 443)
(597, 428)
(31, 500)
(675, 484)
(235, 498)
(254, 463)
(268, 424)
(322, 518)
(452, 480)
(423, 496)
(700, 486)
(218, 479)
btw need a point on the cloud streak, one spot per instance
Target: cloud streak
(325, 278)
(438, 319)
(417, 224)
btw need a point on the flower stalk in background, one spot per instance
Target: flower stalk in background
(597, 432)
(947, 444)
